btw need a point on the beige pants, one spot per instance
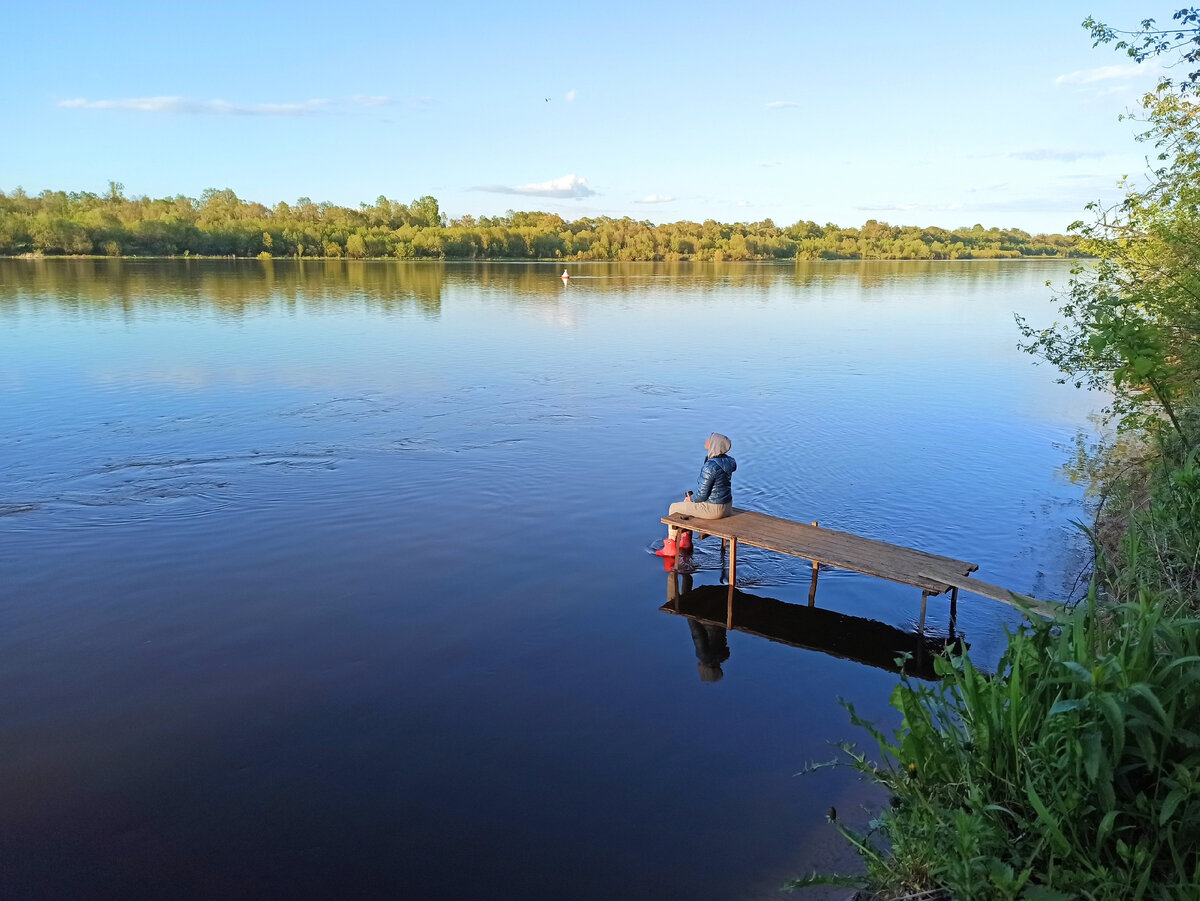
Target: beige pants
(701, 510)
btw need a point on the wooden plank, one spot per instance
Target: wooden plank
(795, 538)
(929, 572)
(1005, 596)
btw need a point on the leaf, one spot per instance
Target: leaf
(1104, 830)
(1080, 670)
(1144, 691)
(1057, 838)
(1068, 704)
(1045, 893)
(1093, 753)
(1172, 801)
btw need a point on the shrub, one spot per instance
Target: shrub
(1073, 772)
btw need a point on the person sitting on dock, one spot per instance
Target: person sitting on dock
(713, 498)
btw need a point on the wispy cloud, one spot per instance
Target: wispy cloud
(1123, 72)
(887, 207)
(1062, 156)
(571, 95)
(655, 198)
(782, 104)
(909, 207)
(184, 106)
(572, 186)
(743, 203)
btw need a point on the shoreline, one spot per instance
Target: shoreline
(534, 260)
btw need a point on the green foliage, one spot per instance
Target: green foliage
(1073, 772)
(1182, 41)
(1131, 322)
(222, 224)
(1158, 507)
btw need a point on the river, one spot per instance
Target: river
(334, 579)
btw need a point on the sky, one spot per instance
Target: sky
(924, 114)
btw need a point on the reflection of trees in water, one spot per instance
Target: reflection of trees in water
(240, 286)
(226, 286)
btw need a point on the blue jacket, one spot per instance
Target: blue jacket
(715, 485)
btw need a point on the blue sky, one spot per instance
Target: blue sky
(927, 114)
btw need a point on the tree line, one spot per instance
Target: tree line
(221, 224)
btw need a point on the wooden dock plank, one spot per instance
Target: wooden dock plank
(1004, 595)
(929, 572)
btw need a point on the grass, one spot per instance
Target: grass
(1074, 772)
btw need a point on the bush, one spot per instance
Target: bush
(1074, 772)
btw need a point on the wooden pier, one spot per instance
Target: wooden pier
(933, 574)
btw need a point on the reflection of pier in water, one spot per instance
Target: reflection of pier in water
(713, 609)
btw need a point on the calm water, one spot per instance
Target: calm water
(334, 580)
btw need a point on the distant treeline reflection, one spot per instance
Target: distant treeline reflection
(241, 286)
(220, 223)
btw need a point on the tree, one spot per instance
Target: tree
(356, 248)
(1130, 323)
(1182, 41)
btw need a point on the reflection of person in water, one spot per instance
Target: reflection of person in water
(712, 642)
(712, 649)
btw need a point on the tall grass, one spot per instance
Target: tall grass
(1074, 772)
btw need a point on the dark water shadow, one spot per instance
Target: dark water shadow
(713, 610)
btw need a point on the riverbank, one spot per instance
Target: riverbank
(221, 224)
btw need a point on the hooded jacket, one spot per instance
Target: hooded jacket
(715, 483)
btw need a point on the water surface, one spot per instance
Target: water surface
(333, 579)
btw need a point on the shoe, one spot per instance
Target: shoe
(684, 542)
(668, 549)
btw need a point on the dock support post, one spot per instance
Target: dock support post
(953, 609)
(924, 598)
(732, 581)
(812, 589)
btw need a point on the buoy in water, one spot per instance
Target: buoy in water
(565, 275)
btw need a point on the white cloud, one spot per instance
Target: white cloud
(1103, 73)
(184, 106)
(887, 207)
(655, 198)
(781, 104)
(743, 203)
(909, 207)
(1064, 156)
(571, 95)
(566, 186)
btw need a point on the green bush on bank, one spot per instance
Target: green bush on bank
(1072, 774)
(1158, 505)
